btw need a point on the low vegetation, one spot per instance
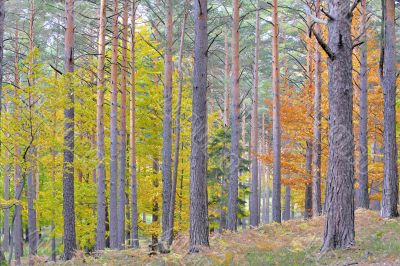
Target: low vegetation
(295, 242)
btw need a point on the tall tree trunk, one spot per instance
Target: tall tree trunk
(18, 182)
(227, 78)
(167, 128)
(235, 123)
(68, 168)
(316, 183)
(178, 127)
(132, 134)
(308, 192)
(101, 185)
(254, 201)
(276, 123)
(308, 209)
(286, 212)
(6, 194)
(339, 225)
(390, 192)
(198, 162)
(363, 197)
(122, 130)
(31, 169)
(114, 131)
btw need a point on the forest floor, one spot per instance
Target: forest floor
(294, 242)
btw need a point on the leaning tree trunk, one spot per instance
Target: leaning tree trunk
(122, 130)
(132, 139)
(254, 201)
(363, 197)
(101, 186)
(390, 192)
(114, 131)
(276, 124)
(69, 114)
(198, 162)
(235, 124)
(167, 128)
(171, 216)
(339, 225)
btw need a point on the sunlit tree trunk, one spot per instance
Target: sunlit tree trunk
(339, 225)
(178, 127)
(114, 131)
(132, 134)
(390, 193)
(68, 168)
(363, 197)
(198, 161)
(122, 130)
(235, 123)
(100, 169)
(254, 201)
(276, 124)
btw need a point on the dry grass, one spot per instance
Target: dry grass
(291, 243)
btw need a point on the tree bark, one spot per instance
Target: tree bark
(254, 194)
(167, 128)
(339, 225)
(308, 192)
(68, 167)
(122, 130)
(178, 127)
(198, 162)
(227, 78)
(101, 185)
(276, 124)
(363, 197)
(316, 156)
(31, 211)
(286, 212)
(114, 131)
(18, 182)
(390, 192)
(377, 152)
(31, 155)
(6, 194)
(235, 124)
(132, 134)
